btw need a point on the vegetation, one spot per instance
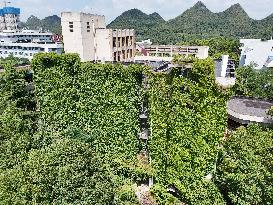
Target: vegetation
(188, 121)
(50, 23)
(254, 83)
(63, 156)
(74, 138)
(197, 22)
(218, 46)
(15, 61)
(245, 169)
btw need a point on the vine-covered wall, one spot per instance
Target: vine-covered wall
(100, 102)
(188, 120)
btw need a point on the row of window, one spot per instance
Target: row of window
(71, 26)
(22, 48)
(17, 53)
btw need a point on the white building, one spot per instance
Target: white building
(166, 52)
(86, 35)
(225, 71)
(256, 52)
(24, 44)
(9, 18)
(225, 67)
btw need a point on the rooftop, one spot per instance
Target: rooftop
(250, 110)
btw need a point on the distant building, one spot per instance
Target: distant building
(23, 43)
(256, 52)
(26, 43)
(86, 35)
(144, 43)
(225, 71)
(9, 18)
(148, 52)
(225, 67)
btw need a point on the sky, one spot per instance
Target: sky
(168, 9)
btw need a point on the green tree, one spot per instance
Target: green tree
(245, 173)
(254, 83)
(66, 172)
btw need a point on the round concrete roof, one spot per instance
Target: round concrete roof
(246, 110)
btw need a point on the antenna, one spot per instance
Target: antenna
(6, 2)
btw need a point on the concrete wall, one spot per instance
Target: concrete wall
(104, 45)
(255, 52)
(201, 52)
(92, 41)
(79, 33)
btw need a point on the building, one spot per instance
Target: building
(225, 67)
(225, 71)
(9, 18)
(26, 43)
(246, 110)
(86, 35)
(256, 52)
(23, 43)
(148, 52)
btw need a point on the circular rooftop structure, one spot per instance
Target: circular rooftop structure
(250, 110)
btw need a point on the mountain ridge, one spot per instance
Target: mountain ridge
(196, 22)
(200, 22)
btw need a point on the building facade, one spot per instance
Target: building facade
(25, 44)
(148, 52)
(86, 35)
(9, 18)
(257, 53)
(225, 67)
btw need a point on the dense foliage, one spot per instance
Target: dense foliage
(188, 120)
(74, 138)
(100, 100)
(218, 46)
(254, 83)
(87, 157)
(136, 19)
(245, 171)
(197, 22)
(50, 23)
(15, 61)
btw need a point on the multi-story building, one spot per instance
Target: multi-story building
(9, 18)
(257, 53)
(225, 67)
(26, 43)
(225, 71)
(166, 52)
(86, 35)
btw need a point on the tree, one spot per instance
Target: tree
(66, 172)
(254, 83)
(245, 171)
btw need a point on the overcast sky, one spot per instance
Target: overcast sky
(168, 9)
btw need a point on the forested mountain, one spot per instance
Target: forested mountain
(136, 19)
(199, 22)
(50, 23)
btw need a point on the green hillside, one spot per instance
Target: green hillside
(50, 23)
(198, 22)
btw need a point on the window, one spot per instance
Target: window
(71, 26)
